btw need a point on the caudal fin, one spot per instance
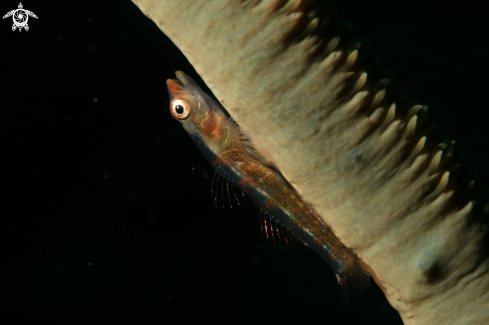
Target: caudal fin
(352, 281)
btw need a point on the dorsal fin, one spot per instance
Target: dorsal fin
(256, 150)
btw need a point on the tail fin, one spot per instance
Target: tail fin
(352, 281)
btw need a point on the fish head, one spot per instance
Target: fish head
(200, 115)
(192, 107)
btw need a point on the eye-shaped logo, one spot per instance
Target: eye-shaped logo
(20, 17)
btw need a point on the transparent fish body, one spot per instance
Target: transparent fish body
(236, 158)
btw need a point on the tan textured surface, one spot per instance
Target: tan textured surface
(363, 163)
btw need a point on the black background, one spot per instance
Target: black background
(106, 213)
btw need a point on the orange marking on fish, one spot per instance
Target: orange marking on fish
(229, 149)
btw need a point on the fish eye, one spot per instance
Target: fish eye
(180, 109)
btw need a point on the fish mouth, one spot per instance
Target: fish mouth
(173, 83)
(179, 82)
(175, 87)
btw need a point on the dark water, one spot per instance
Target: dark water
(106, 213)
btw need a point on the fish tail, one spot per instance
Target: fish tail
(352, 280)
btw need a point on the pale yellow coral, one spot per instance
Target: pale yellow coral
(364, 159)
